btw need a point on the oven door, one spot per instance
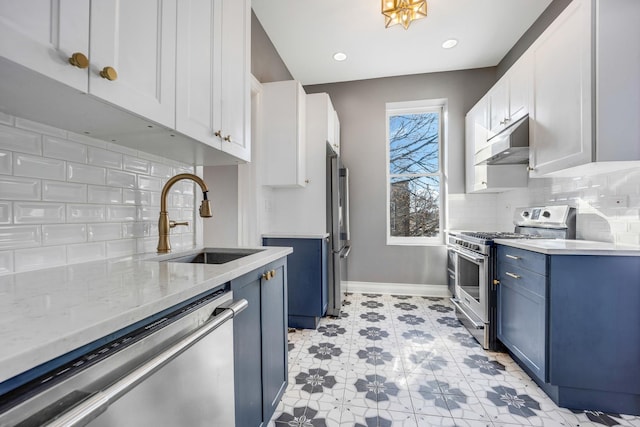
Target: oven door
(472, 275)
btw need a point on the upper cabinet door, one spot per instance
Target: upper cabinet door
(561, 106)
(198, 70)
(236, 85)
(137, 39)
(520, 76)
(498, 98)
(44, 34)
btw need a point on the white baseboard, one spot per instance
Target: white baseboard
(397, 289)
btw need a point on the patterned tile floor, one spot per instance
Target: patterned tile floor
(404, 362)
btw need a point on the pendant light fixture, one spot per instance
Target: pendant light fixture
(403, 11)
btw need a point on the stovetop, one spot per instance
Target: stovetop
(490, 235)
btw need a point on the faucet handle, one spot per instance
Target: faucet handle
(172, 224)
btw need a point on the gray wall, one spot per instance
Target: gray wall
(546, 18)
(361, 108)
(266, 64)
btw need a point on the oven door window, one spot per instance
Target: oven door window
(469, 277)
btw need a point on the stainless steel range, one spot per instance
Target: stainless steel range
(472, 264)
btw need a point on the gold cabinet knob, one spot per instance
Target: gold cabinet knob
(496, 281)
(267, 275)
(79, 60)
(273, 274)
(218, 134)
(227, 138)
(109, 73)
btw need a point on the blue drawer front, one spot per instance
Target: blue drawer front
(524, 279)
(532, 261)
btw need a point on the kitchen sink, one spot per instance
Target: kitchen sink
(215, 256)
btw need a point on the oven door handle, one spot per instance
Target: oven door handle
(469, 255)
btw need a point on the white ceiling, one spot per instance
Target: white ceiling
(306, 34)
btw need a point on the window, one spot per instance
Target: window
(414, 173)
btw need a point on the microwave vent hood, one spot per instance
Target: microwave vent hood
(509, 147)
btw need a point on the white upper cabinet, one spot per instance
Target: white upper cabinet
(333, 127)
(235, 108)
(284, 134)
(561, 105)
(198, 70)
(509, 98)
(166, 77)
(44, 35)
(137, 40)
(565, 139)
(487, 178)
(213, 87)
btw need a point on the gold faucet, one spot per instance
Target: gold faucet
(164, 224)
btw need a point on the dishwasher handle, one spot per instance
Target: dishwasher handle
(89, 409)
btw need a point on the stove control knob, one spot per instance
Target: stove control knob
(546, 214)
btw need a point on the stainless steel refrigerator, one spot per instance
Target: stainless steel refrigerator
(338, 229)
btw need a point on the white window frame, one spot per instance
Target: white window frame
(417, 107)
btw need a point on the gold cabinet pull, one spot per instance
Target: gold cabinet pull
(218, 134)
(109, 73)
(269, 275)
(79, 60)
(227, 138)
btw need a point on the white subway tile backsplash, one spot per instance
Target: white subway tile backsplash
(66, 150)
(85, 213)
(39, 127)
(86, 252)
(6, 162)
(121, 213)
(18, 140)
(56, 191)
(123, 247)
(104, 158)
(149, 183)
(85, 174)
(121, 179)
(100, 232)
(136, 229)
(38, 213)
(6, 262)
(64, 234)
(133, 164)
(68, 198)
(147, 245)
(121, 149)
(148, 213)
(19, 188)
(34, 259)
(160, 170)
(104, 194)
(6, 214)
(38, 167)
(20, 236)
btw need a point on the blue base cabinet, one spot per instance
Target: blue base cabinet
(260, 343)
(307, 279)
(573, 323)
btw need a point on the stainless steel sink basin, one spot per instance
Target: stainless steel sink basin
(215, 256)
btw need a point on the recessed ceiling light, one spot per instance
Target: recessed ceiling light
(339, 56)
(448, 44)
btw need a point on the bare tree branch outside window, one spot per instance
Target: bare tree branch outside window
(414, 171)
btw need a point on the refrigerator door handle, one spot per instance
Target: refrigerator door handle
(345, 252)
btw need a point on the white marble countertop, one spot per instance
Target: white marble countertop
(570, 247)
(47, 313)
(296, 235)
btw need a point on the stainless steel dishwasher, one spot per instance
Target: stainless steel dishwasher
(174, 369)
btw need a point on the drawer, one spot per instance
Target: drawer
(521, 278)
(532, 261)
